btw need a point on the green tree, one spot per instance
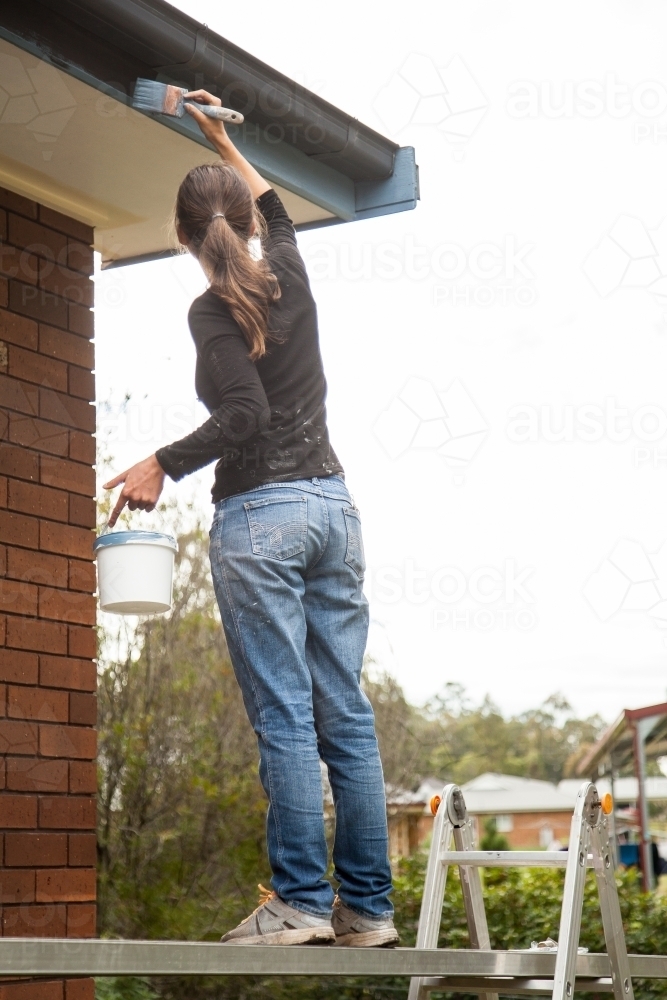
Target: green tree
(540, 743)
(456, 740)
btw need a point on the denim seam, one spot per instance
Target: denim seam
(296, 484)
(290, 484)
(258, 701)
(349, 559)
(326, 534)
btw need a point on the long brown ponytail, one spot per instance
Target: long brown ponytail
(217, 215)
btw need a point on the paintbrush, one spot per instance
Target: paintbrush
(164, 99)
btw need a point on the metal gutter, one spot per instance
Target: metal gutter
(295, 138)
(152, 38)
(279, 162)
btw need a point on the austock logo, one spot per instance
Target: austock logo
(484, 599)
(446, 98)
(37, 98)
(630, 256)
(630, 579)
(422, 418)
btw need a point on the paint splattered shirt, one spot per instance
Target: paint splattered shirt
(267, 419)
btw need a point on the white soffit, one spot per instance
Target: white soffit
(76, 150)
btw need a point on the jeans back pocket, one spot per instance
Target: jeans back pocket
(278, 527)
(354, 555)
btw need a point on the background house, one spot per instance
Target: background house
(81, 171)
(528, 812)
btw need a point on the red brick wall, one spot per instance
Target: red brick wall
(525, 834)
(47, 609)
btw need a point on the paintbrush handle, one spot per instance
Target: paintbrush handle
(222, 114)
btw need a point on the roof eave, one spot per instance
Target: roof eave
(351, 171)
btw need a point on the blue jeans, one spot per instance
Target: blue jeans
(288, 565)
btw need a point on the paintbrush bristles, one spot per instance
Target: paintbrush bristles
(161, 98)
(165, 99)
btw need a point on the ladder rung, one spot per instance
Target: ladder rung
(509, 859)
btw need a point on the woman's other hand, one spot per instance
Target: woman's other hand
(143, 485)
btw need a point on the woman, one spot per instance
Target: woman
(286, 555)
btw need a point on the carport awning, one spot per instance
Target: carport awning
(617, 743)
(71, 140)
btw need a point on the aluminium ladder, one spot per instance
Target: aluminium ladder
(589, 846)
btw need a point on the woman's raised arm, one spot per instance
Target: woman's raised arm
(216, 134)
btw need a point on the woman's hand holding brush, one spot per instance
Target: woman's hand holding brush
(216, 134)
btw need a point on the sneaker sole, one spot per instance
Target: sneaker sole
(369, 939)
(310, 935)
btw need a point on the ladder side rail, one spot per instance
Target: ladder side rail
(473, 900)
(573, 897)
(436, 877)
(430, 913)
(603, 861)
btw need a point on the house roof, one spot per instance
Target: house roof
(498, 794)
(72, 140)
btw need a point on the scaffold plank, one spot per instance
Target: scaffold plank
(69, 957)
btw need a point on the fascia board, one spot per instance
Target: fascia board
(279, 162)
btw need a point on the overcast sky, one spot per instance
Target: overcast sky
(496, 359)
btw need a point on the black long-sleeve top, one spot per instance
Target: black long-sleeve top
(268, 418)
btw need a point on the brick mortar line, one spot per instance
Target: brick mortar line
(38, 220)
(40, 517)
(45, 722)
(53, 295)
(38, 350)
(45, 225)
(50, 455)
(50, 795)
(42, 687)
(52, 322)
(56, 555)
(56, 423)
(51, 520)
(54, 621)
(47, 357)
(46, 687)
(77, 273)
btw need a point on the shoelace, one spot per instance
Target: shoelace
(265, 896)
